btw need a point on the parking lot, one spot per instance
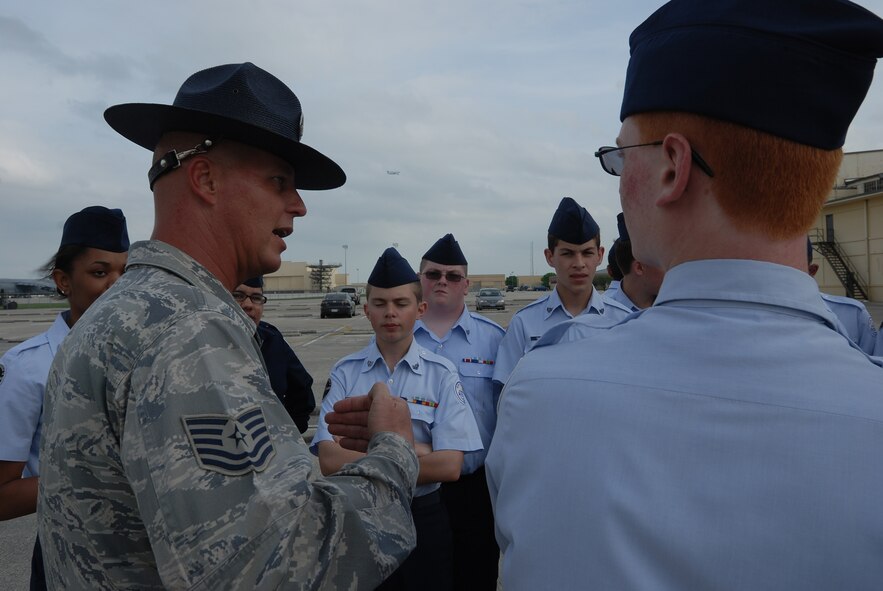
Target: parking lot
(319, 343)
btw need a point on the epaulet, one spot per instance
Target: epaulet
(32, 343)
(429, 356)
(486, 320)
(357, 356)
(536, 302)
(615, 304)
(842, 300)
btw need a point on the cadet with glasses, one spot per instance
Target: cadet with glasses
(729, 436)
(469, 341)
(289, 378)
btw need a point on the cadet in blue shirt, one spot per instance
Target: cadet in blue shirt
(640, 282)
(852, 313)
(470, 342)
(574, 252)
(729, 436)
(613, 270)
(444, 427)
(288, 377)
(90, 258)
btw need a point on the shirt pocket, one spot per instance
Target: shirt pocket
(476, 378)
(422, 413)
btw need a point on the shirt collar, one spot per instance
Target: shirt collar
(595, 305)
(745, 281)
(154, 253)
(466, 324)
(411, 359)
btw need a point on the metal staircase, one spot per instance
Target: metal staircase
(855, 286)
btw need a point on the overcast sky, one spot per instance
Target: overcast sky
(490, 110)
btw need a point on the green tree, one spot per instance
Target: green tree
(512, 281)
(545, 279)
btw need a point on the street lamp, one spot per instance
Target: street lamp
(345, 247)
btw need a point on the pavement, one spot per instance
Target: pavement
(319, 343)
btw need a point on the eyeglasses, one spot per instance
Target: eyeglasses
(435, 275)
(612, 159)
(256, 298)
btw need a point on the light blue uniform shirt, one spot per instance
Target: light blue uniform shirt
(529, 324)
(23, 373)
(614, 285)
(855, 319)
(471, 345)
(727, 437)
(418, 376)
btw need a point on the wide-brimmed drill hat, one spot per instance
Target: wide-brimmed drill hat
(239, 102)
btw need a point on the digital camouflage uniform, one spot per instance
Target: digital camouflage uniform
(167, 461)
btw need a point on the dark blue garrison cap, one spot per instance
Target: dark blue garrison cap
(255, 282)
(796, 69)
(97, 227)
(620, 225)
(446, 251)
(572, 223)
(392, 270)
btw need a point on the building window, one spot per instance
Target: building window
(873, 186)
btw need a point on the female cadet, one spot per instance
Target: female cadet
(91, 257)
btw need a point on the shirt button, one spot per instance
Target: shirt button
(389, 380)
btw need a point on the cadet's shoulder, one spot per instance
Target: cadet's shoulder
(265, 329)
(434, 359)
(533, 306)
(353, 358)
(485, 323)
(25, 348)
(843, 301)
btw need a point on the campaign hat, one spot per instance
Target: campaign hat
(239, 102)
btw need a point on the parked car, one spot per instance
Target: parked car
(510, 288)
(489, 297)
(354, 293)
(337, 304)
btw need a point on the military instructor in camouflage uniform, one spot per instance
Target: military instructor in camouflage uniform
(167, 461)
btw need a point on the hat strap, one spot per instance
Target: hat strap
(172, 160)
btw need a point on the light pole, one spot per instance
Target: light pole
(345, 247)
(358, 280)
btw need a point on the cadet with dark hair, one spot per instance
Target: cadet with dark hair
(91, 257)
(739, 445)
(166, 459)
(289, 378)
(574, 252)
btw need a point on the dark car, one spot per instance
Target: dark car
(353, 292)
(490, 298)
(337, 304)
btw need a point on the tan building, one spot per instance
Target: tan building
(848, 235)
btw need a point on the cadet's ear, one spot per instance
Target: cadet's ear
(813, 269)
(678, 165)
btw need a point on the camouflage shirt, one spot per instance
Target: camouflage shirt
(167, 461)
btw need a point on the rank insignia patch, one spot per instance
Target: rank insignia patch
(230, 445)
